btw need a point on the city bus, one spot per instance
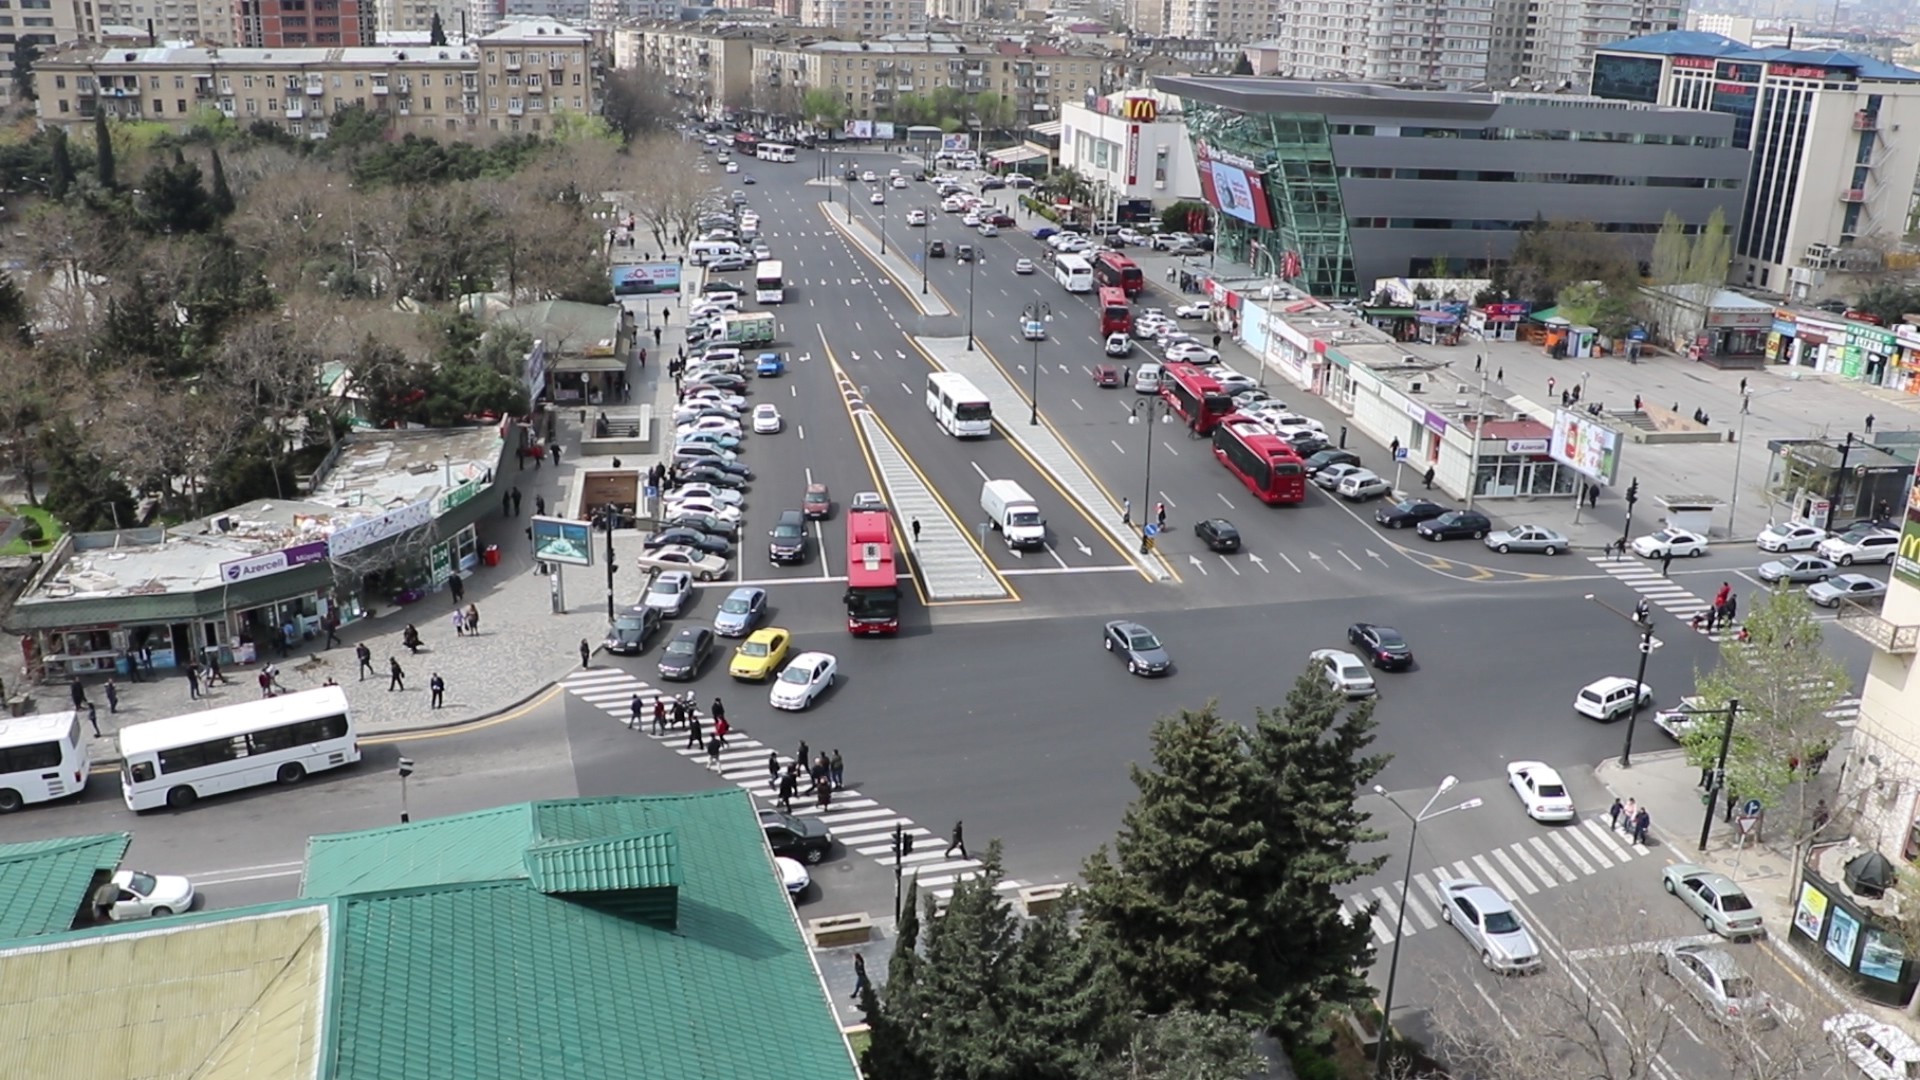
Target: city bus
(42, 757)
(768, 286)
(1264, 462)
(1197, 396)
(773, 151)
(1115, 316)
(746, 144)
(1113, 268)
(873, 580)
(1073, 272)
(958, 406)
(176, 761)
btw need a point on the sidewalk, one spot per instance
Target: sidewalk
(522, 647)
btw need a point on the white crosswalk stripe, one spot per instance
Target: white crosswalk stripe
(860, 824)
(1523, 868)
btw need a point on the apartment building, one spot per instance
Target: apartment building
(303, 24)
(873, 77)
(1146, 18)
(957, 11)
(1831, 168)
(516, 79)
(396, 17)
(201, 21)
(46, 25)
(486, 16)
(1558, 41)
(704, 65)
(1231, 21)
(870, 18)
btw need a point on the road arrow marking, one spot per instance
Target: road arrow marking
(1315, 556)
(804, 357)
(1375, 556)
(1198, 565)
(1017, 553)
(1021, 368)
(1084, 549)
(1260, 562)
(1065, 370)
(899, 354)
(853, 356)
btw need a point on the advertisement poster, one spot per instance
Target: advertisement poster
(857, 129)
(1882, 956)
(1906, 561)
(558, 540)
(1810, 912)
(645, 279)
(955, 144)
(1842, 935)
(1233, 187)
(1585, 446)
(883, 129)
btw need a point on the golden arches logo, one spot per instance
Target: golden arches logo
(1141, 110)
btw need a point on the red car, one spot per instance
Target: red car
(1106, 375)
(1001, 221)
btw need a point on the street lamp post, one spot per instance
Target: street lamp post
(1740, 447)
(1146, 481)
(971, 263)
(926, 242)
(612, 567)
(883, 230)
(1273, 273)
(1427, 813)
(1718, 779)
(1640, 677)
(1037, 312)
(406, 770)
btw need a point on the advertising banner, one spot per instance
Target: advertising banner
(352, 538)
(1233, 187)
(1584, 445)
(645, 279)
(1906, 561)
(883, 130)
(956, 144)
(857, 129)
(235, 571)
(558, 540)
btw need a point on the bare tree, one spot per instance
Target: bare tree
(669, 190)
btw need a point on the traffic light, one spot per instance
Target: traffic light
(902, 842)
(1633, 491)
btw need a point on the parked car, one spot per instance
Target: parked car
(1407, 513)
(1790, 536)
(138, 895)
(1858, 588)
(1532, 539)
(1456, 525)
(1723, 906)
(806, 839)
(702, 566)
(1712, 977)
(1862, 544)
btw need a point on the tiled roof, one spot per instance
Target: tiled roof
(1702, 43)
(647, 861)
(44, 883)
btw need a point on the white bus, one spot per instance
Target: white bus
(768, 286)
(775, 152)
(1073, 272)
(173, 762)
(958, 406)
(42, 757)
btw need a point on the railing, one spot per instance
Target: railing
(1864, 622)
(1853, 195)
(1865, 121)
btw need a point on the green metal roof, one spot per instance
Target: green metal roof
(44, 883)
(648, 861)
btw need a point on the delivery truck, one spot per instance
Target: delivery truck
(749, 328)
(1014, 514)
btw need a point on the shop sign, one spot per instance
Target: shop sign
(1696, 63)
(1726, 318)
(1527, 446)
(347, 540)
(1431, 420)
(440, 562)
(1862, 336)
(458, 496)
(1906, 560)
(1797, 71)
(1782, 326)
(235, 571)
(1508, 312)
(1908, 335)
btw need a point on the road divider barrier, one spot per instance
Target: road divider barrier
(1037, 900)
(839, 931)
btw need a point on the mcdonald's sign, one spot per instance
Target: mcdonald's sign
(1141, 110)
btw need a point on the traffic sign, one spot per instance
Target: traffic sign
(1750, 808)
(1400, 454)
(653, 491)
(1152, 529)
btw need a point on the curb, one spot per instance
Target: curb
(860, 240)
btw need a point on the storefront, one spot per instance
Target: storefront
(1809, 346)
(1301, 360)
(1904, 373)
(1868, 353)
(1513, 462)
(1737, 328)
(1498, 322)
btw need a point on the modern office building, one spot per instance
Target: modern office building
(303, 24)
(1831, 172)
(1350, 182)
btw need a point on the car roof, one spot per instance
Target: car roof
(1483, 897)
(810, 658)
(687, 632)
(1714, 957)
(811, 488)
(1126, 626)
(1539, 770)
(1719, 882)
(674, 577)
(1610, 682)
(767, 633)
(1341, 655)
(747, 592)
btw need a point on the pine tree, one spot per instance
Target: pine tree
(893, 1049)
(964, 1020)
(61, 159)
(437, 32)
(1070, 1011)
(223, 203)
(1312, 757)
(103, 168)
(1181, 897)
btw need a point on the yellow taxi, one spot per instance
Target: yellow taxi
(761, 654)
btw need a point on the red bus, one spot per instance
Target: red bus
(1115, 316)
(744, 143)
(1113, 268)
(873, 581)
(1197, 396)
(1263, 461)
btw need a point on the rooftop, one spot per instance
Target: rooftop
(1720, 47)
(1263, 94)
(186, 55)
(44, 884)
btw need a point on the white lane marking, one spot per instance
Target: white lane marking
(1289, 562)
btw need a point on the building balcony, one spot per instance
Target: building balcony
(516, 109)
(512, 64)
(380, 90)
(1865, 622)
(1865, 121)
(316, 87)
(536, 88)
(1853, 195)
(296, 112)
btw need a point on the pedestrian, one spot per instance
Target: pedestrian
(719, 710)
(1869, 423)
(916, 532)
(365, 656)
(516, 501)
(679, 713)
(824, 794)
(1720, 598)
(438, 686)
(1551, 383)
(1666, 560)
(1713, 616)
(1821, 815)
(539, 506)
(473, 621)
(787, 787)
(1478, 359)
(265, 678)
(713, 753)
(1500, 376)
(1613, 813)
(659, 716)
(837, 770)
(1743, 385)
(77, 692)
(1393, 448)
(506, 504)
(636, 712)
(773, 769)
(332, 624)
(1429, 478)
(586, 653)
(1126, 511)
(720, 729)
(193, 682)
(1593, 494)
(410, 637)
(959, 840)
(861, 987)
(1733, 607)
(458, 587)
(1566, 399)
(396, 678)
(113, 696)
(1640, 822)
(1160, 515)
(459, 623)
(800, 757)
(1636, 403)
(695, 736)
(93, 717)
(554, 449)
(1627, 812)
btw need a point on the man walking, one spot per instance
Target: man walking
(837, 769)
(1160, 515)
(516, 501)
(1641, 821)
(916, 532)
(659, 716)
(1666, 560)
(586, 653)
(78, 693)
(1627, 813)
(1613, 814)
(332, 624)
(438, 686)
(788, 784)
(113, 697)
(636, 709)
(193, 682)
(959, 840)
(713, 753)
(773, 770)
(396, 678)
(720, 728)
(1429, 478)
(861, 987)
(694, 741)
(1126, 510)
(365, 656)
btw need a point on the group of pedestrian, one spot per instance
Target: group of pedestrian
(466, 621)
(1629, 817)
(1724, 609)
(510, 502)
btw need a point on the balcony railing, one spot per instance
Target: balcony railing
(1853, 195)
(1865, 121)
(1865, 622)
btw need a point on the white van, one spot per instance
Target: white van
(700, 251)
(1014, 513)
(1146, 379)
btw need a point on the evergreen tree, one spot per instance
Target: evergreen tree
(222, 195)
(60, 175)
(81, 490)
(103, 165)
(962, 1020)
(1071, 1012)
(1243, 66)
(437, 32)
(25, 54)
(893, 1052)
(1181, 898)
(1311, 758)
(16, 314)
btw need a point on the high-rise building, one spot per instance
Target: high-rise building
(1558, 41)
(866, 17)
(1146, 18)
(416, 17)
(46, 28)
(1830, 166)
(303, 24)
(1239, 21)
(203, 21)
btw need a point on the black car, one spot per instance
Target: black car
(1408, 512)
(806, 839)
(789, 543)
(631, 631)
(1308, 443)
(1218, 534)
(709, 474)
(991, 183)
(693, 538)
(1321, 460)
(705, 523)
(1382, 645)
(686, 654)
(937, 249)
(1456, 525)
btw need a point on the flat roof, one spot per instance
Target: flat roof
(1721, 47)
(231, 720)
(376, 471)
(35, 727)
(1269, 95)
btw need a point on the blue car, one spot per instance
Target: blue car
(1044, 231)
(769, 363)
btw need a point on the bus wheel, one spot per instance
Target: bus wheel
(10, 801)
(181, 797)
(292, 773)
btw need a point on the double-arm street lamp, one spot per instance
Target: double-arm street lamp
(1643, 619)
(1038, 312)
(1148, 406)
(972, 261)
(1427, 813)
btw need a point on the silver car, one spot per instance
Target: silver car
(1797, 570)
(740, 612)
(1858, 588)
(1490, 925)
(1714, 978)
(1531, 539)
(1723, 906)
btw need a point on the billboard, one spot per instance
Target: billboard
(645, 279)
(956, 144)
(883, 129)
(1906, 561)
(558, 540)
(1586, 446)
(857, 129)
(1626, 78)
(1231, 187)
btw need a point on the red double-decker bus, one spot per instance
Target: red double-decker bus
(1263, 461)
(1197, 396)
(746, 143)
(1115, 316)
(873, 579)
(1115, 269)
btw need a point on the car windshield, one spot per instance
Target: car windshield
(1552, 791)
(787, 532)
(680, 648)
(1502, 922)
(1666, 535)
(733, 605)
(795, 674)
(665, 587)
(815, 498)
(141, 883)
(628, 624)
(1142, 641)
(1735, 902)
(754, 648)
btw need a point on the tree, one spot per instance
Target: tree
(823, 108)
(1243, 65)
(1183, 1045)
(221, 198)
(60, 174)
(81, 490)
(172, 200)
(1711, 252)
(1788, 686)
(1889, 300)
(1672, 250)
(1550, 256)
(437, 32)
(637, 104)
(892, 1051)
(25, 55)
(103, 165)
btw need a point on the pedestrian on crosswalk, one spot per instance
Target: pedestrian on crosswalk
(720, 727)
(659, 715)
(1641, 821)
(837, 770)
(789, 783)
(800, 758)
(1666, 560)
(679, 713)
(773, 769)
(719, 712)
(1627, 813)
(1613, 813)
(713, 753)
(825, 796)
(916, 531)
(1126, 511)
(636, 711)
(959, 840)
(1733, 608)
(694, 740)
(1713, 617)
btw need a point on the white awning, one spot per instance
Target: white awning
(1013, 155)
(1049, 128)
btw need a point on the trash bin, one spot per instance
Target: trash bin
(491, 556)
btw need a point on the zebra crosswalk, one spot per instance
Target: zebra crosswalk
(859, 823)
(1546, 860)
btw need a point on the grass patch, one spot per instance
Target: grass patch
(50, 532)
(859, 1040)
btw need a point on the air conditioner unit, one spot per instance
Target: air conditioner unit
(1417, 386)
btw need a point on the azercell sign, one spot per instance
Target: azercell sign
(236, 571)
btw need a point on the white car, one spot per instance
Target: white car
(1611, 698)
(792, 874)
(1199, 309)
(1541, 790)
(916, 217)
(1344, 672)
(726, 513)
(1490, 925)
(686, 414)
(1145, 327)
(1330, 477)
(726, 299)
(972, 220)
(867, 176)
(1235, 383)
(803, 679)
(1861, 545)
(733, 166)
(713, 394)
(1788, 536)
(878, 198)
(1191, 352)
(1678, 543)
(1023, 266)
(766, 419)
(701, 565)
(669, 592)
(718, 425)
(724, 496)
(139, 896)
(988, 228)
(1680, 719)
(899, 183)
(1293, 422)
(1880, 1051)
(953, 204)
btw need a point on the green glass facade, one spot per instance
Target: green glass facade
(1294, 153)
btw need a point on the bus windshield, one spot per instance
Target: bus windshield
(972, 410)
(873, 603)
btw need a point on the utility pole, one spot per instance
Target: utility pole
(902, 847)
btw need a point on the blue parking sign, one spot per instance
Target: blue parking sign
(1152, 529)
(653, 491)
